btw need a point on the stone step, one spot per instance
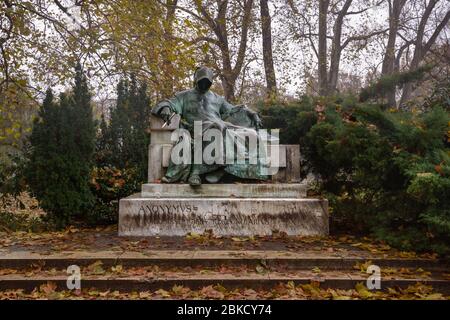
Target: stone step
(210, 259)
(231, 190)
(142, 216)
(195, 281)
(162, 269)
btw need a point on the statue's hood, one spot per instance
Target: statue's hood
(203, 73)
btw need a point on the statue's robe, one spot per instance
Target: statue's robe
(215, 112)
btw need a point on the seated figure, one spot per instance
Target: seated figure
(202, 107)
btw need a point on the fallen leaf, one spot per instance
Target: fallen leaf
(316, 270)
(260, 269)
(163, 293)
(193, 236)
(96, 268)
(434, 296)
(363, 291)
(210, 292)
(236, 239)
(48, 288)
(144, 295)
(117, 269)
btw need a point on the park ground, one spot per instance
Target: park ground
(205, 266)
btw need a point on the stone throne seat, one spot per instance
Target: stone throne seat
(228, 209)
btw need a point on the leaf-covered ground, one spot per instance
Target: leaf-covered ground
(98, 239)
(97, 269)
(105, 239)
(282, 291)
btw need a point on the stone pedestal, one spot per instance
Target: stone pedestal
(226, 209)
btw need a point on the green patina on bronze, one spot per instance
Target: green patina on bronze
(201, 104)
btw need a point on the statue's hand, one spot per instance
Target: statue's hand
(256, 120)
(165, 113)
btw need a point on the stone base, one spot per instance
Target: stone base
(144, 216)
(224, 190)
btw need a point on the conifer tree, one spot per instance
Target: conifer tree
(139, 120)
(82, 131)
(103, 144)
(62, 146)
(119, 126)
(84, 126)
(121, 153)
(126, 138)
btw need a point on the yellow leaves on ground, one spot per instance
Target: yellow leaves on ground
(287, 290)
(117, 269)
(193, 236)
(81, 239)
(163, 293)
(145, 295)
(336, 296)
(434, 296)
(72, 229)
(362, 266)
(96, 268)
(312, 289)
(212, 293)
(8, 271)
(48, 288)
(316, 270)
(373, 248)
(407, 254)
(405, 273)
(394, 273)
(202, 237)
(179, 290)
(260, 269)
(362, 290)
(236, 239)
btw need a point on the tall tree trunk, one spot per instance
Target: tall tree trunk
(227, 75)
(395, 9)
(336, 48)
(421, 48)
(266, 30)
(168, 69)
(218, 25)
(228, 84)
(221, 31)
(322, 67)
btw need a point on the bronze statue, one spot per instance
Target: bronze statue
(214, 112)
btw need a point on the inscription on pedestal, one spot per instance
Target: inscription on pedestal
(167, 209)
(144, 216)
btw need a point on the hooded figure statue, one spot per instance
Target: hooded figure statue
(202, 109)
